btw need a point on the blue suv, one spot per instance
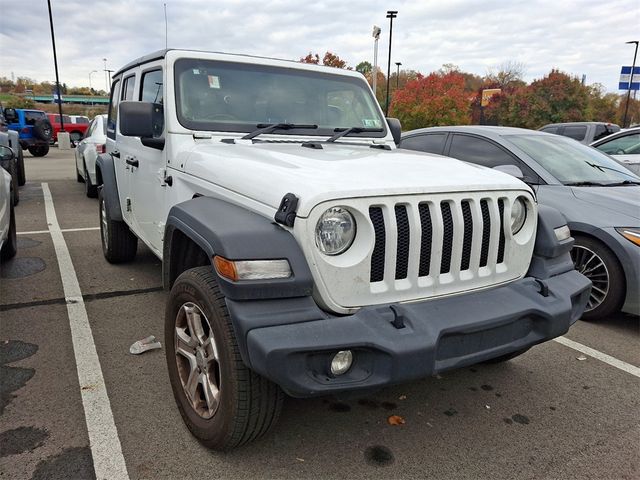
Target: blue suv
(34, 129)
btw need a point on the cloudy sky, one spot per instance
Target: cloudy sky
(578, 37)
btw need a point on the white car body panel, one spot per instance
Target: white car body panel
(86, 153)
(5, 205)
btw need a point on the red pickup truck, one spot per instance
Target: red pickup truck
(76, 130)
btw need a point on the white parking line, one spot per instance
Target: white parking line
(63, 230)
(603, 357)
(106, 450)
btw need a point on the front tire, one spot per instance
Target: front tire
(90, 190)
(222, 402)
(39, 150)
(22, 177)
(119, 244)
(596, 262)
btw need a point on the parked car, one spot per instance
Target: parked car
(584, 132)
(87, 152)
(33, 127)
(9, 163)
(303, 251)
(12, 139)
(8, 238)
(624, 146)
(598, 197)
(76, 130)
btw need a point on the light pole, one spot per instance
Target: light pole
(105, 76)
(91, 73)
(376, 36)
(391, 14)
(55, 63)
(398, 75)
(626, 108)
(109, 72)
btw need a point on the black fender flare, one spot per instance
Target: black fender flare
(550, 256)
(221, 228)
(107, 168)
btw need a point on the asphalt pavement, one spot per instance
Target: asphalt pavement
(552, 413)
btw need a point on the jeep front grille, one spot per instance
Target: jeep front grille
(447, 227)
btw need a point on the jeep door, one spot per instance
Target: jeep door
(147, 187)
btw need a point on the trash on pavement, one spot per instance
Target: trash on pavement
(141, 346)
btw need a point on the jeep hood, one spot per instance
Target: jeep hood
(265, 172)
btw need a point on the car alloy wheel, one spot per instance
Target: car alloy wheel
(588, 263)
(197, 360)
(105, 224)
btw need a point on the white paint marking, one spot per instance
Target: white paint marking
(63, 230)
(603, 357)
(106, 450)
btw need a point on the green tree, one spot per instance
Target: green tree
(364, 67)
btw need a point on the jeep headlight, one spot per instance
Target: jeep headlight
(518, 215)
(335, 231)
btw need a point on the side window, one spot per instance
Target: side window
(622, 145)
(113, 110)
(127, 87)
(91, 128)
(577, 132)
(483, 152)
(431, 143)
(549, 129)
(151, 90)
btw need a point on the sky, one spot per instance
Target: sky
(577, 37)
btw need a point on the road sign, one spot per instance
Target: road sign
(487, 93)
(625, 77)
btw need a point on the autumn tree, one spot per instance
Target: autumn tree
(364, 67)
(509, 74)
(329, 60)
(437, 99)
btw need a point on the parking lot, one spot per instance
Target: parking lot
(562, 410)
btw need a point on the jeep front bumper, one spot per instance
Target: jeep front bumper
(438, 335)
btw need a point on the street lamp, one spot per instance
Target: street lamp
(109, 72)
(376, 36)
(398, 75)
(55, 63)
(391, 14)
(91, 73)
(626, 109)
(105, 76)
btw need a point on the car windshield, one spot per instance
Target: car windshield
(235, 97)
(571, 162)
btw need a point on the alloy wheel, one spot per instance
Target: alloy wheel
(588, 263)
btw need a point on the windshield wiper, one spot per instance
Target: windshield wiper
(624, 182)
(272, 127)
(346, 131)
(586, 184)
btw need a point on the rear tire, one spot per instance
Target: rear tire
(119, 244)
(39, 150)
(89, 189)
(10, 248)
(22, 178)
(241, 405)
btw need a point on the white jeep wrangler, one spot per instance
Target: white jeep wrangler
(304, 253)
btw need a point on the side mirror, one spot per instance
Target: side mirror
(396, 129)
(141, 119)
(512, 170)
(6, 154)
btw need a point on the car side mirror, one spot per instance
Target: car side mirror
(136, 119)
(6, 154)
(396, 129)
(512, 170)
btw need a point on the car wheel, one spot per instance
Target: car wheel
(79, 178)
(596, 262)
(89, 189)
(75, 136)
(39, 150)
(119, 244)
(222, 402)
(42, 129)
(22, 178)
(15, 192)
(10, 247)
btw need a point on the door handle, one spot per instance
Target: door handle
(132, 161)
(115, 154)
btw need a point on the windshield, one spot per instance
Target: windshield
(571, 162)
(234, 97)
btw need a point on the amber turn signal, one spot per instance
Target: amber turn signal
(225, 268)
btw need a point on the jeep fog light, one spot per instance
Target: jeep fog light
(341, 362)
(251, 269)
(518, 215)
(562, 233)
(335, 231)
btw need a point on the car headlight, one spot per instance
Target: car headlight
(631, 234)
(335, 231)
(518, 215)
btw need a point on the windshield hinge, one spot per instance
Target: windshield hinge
(286, 214)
